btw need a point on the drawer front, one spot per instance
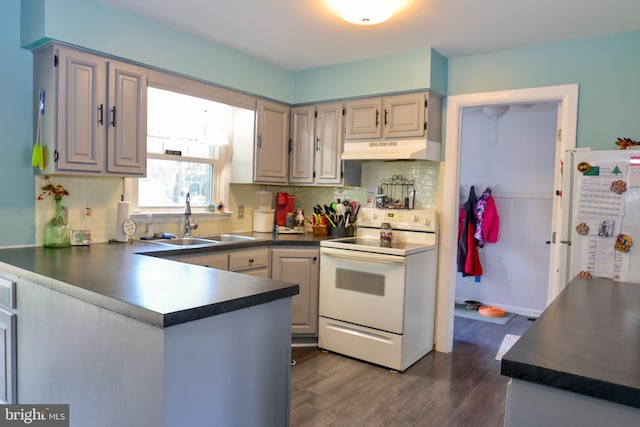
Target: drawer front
(219, 260)
(7, 292)
(248, 259)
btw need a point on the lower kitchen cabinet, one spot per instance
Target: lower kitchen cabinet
(8, 343)
(300, 266)
(250, 261)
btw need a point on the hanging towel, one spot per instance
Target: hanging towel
(468, 258)
(487, 219)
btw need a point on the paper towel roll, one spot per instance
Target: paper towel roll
(123, 214)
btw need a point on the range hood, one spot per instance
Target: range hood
(401, 149)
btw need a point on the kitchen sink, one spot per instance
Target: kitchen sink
(186, 241)
(229, 238)
(214, 239)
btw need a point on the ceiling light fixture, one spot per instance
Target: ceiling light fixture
(366, 12)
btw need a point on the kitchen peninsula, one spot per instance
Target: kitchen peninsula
(579, 364)
(129, 339)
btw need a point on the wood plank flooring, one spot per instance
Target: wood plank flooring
(462, 388)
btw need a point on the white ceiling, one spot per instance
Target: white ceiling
(301, 34)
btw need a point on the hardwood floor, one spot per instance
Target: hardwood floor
(462, 388)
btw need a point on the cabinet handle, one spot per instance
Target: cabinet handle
(113, 116)
(250, 260)
(101, 115)
(377, 118)
(386, 113)
(259, 141)
(314, 259)
(317, 143)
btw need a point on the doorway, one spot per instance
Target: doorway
(566, 97)
(508, 151)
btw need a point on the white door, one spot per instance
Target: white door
(567, 97)
(560, 219)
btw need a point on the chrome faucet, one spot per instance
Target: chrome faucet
(189, 223)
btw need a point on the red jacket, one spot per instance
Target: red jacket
(487, 219)
(468, 258)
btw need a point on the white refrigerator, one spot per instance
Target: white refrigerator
(600, 236)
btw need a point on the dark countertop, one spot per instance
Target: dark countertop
(587, 341)
(122, 278)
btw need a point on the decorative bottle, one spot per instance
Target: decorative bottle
(386, 235)
(57, 232)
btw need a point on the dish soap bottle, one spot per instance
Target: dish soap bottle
(148, 228)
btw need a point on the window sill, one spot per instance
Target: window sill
(169, 216)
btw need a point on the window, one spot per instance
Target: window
(189, 135)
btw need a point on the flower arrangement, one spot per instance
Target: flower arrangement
(57, 191)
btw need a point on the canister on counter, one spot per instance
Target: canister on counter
(386, 234)
(299, 219)
(289, 220)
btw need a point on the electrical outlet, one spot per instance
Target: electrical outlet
(240, 211)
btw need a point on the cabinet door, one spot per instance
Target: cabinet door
(328, 163)
(300, 266)
(272, 141)
(302, 145)
(403, 115)
(8, 371)
(363, 118)
(127, 119)
(81, 111)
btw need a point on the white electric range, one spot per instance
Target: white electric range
(377, 300)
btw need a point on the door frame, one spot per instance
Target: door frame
(567, 98)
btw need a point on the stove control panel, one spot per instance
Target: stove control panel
(400, 219)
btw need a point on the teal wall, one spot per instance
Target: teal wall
(95, 25)
(607, 70)
(17, 205)
(406, 71)
(439, 73)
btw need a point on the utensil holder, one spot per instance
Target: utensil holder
(341, 231)
(319, 230)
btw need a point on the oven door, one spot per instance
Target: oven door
(363, 288)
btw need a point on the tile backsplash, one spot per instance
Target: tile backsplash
(101, 195)
(424, 174)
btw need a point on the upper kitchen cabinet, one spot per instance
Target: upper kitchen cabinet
(127, 128)
(328, 150)
(397, 116)
(363, 118)
(94, 119)
(303, 145)
(316, 148)
(271, 158)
